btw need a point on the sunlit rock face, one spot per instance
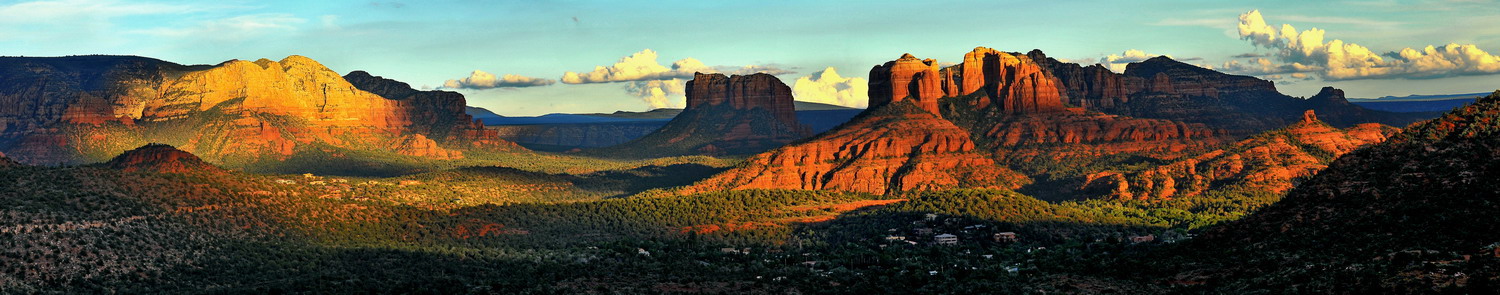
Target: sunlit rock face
(88, 109)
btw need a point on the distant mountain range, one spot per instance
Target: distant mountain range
(1418, 103)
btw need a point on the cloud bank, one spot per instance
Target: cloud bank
(828, 87)
(482, 80)
(657, 85)
(1307, 51)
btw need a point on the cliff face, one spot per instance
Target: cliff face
(441, 115)
(87, 109)
(895, 147)
(1012, 83)
(160, 158)
(724, 115)
(1269, 162)
(1163, 88)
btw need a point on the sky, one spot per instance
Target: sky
(529, 57)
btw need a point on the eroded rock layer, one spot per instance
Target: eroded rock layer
(1268, 162)
(891, 148)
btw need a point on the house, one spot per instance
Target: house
(945, 239)
(931, 216)
(729, 250)
(894, 238)
(642, 252)
(285, 181)
(1005, 237)
(1142, 239)
(924, 231)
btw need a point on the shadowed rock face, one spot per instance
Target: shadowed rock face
(1163, 88)
(87, 109)
(892, 148)
(1268, 162)
(1428, 189)
(161, 158)
(724, 115)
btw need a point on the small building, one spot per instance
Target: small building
(924, 231)
(945, 239)
(642, 252)
(410, 182)
(1005, 237)
(1142, 239)
(729, 250)
(894, 238)
(931, 216)
(286, 181)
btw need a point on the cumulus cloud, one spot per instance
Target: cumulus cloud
(657, 85)
(659, 93)
(828, 87)
(483, 80)
(1338, 60)
(640, 66)
(752, 69)
(1117, 62)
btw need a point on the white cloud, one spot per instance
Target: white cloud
(657, 85)
(482, 80)
(1117, 62)
(640, 66)
(1338, 60)
(659, 93)
(828, 87)
(752, 69)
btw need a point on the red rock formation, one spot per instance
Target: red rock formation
(161, 158)
(417, 145)
(741, 93)
(724, 115)
(892, 148)
(439, 114)
(1093, 87)
(1013, 83)
(239, 110)
(1265, 163)
(7, 162)
(907, 78)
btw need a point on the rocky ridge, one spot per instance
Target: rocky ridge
(891, 148)
(1269, 162)
(87, 109)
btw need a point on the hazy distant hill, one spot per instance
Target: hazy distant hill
(1418, 103)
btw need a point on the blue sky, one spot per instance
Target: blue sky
(431, 42)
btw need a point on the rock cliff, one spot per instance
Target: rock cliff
(895, 147)
(88, 109)
(1163, 88)
(724, 115)
(1269, 162)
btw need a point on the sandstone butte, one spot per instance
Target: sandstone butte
(743, 114)
(1268, 162)
(237, 110)
(161, 158)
